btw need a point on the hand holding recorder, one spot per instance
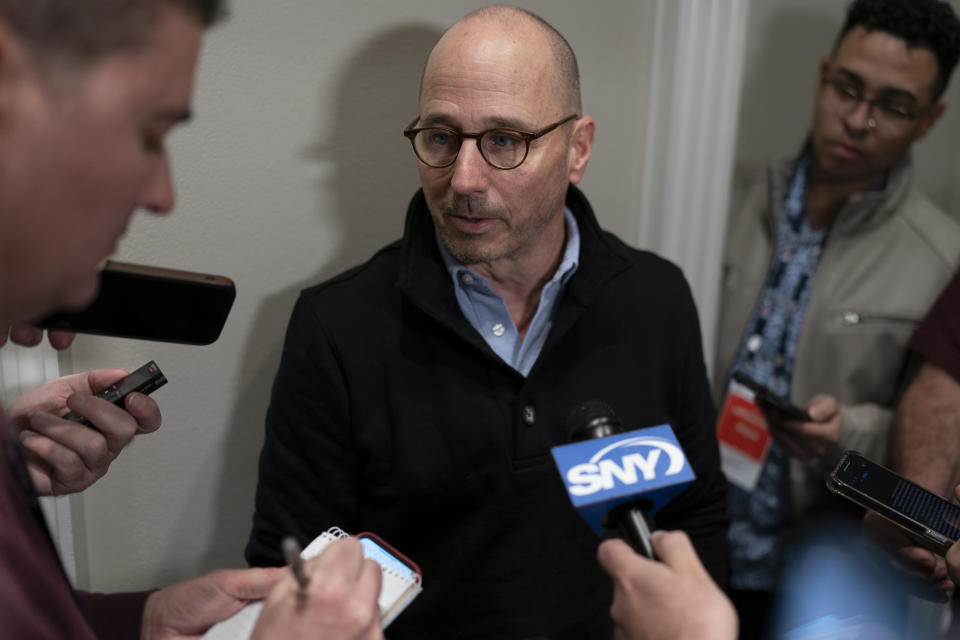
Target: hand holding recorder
(64, 456)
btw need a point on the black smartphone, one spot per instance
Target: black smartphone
(930, 519)
(146, 379)
(153, 303)
(765, 395)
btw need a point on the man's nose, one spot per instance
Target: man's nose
(470, 171)
(860, 120)
(158, 194)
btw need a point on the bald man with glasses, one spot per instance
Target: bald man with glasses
(831, 260)
(419, 394)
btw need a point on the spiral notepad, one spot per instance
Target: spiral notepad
(401, 583)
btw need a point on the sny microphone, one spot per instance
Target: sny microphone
(616, 478)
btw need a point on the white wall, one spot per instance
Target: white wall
(293, 169)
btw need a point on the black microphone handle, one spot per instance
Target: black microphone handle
(636, 531)
(596, 419)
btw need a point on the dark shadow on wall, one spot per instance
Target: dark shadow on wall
(369, 169)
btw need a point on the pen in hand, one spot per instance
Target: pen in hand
(291, 552)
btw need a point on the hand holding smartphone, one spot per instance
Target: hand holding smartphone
(153, 303)
(931, 520)
(764, 396)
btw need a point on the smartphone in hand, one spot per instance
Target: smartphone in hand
(765, 396)
(929, 519)
(153, 303)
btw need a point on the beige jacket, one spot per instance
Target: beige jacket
(886, 258)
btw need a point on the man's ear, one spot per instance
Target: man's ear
(927, 122)
(581, 144)
(822, 69)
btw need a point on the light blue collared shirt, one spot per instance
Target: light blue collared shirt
(486, 311)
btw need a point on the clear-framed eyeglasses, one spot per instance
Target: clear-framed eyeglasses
(439, 147)
(887, 115)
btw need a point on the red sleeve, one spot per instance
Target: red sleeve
(114, 616)
(938, 337)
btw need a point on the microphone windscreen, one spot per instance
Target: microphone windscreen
(592, 419)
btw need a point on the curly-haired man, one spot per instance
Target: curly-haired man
(831, 259)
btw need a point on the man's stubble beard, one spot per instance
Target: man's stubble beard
(475, 250)
(520, 236)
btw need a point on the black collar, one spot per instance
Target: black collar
(425, 281)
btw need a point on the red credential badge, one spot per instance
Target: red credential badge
(744, 437)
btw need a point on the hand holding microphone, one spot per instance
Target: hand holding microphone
(674, 599)
(619, 479)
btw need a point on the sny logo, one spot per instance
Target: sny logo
(603, 469)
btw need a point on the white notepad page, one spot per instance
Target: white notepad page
(398, 588)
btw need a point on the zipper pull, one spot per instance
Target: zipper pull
(851, 318)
